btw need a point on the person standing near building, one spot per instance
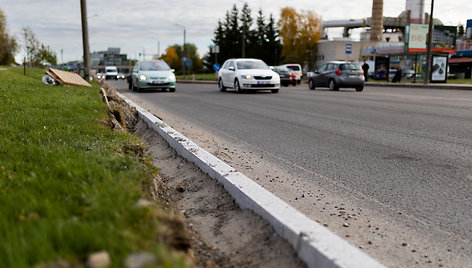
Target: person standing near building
(365, 68)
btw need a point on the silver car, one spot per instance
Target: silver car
(338, 74)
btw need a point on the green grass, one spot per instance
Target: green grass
(67, 186)
(210, 76)
(459, 81)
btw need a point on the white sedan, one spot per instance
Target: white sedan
(247, 74)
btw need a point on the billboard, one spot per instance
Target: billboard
(468, 29)
(444, 38)
(439, 69)
(417, 37)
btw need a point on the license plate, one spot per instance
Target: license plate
(263, 82)
(158, 82)
(353, 76)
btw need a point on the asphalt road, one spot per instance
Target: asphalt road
(401, 156)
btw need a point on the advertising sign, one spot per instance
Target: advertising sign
(468, 30)
(444, 38)
(417, 37)
(464, 48)
(439, 69)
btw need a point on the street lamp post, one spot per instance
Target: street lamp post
(183, 50)
(429, 44)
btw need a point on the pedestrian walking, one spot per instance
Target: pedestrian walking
(365, 68)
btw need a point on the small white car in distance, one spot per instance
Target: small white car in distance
(247, 74)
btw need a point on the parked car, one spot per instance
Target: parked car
(121, 76)
(285, 75)
(247, 74)
(111, 72)
(155, 74)
(297, 70)
(338, 74)
(100, 76)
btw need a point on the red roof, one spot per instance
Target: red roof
(460, 60)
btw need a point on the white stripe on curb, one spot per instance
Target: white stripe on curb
(314, 244)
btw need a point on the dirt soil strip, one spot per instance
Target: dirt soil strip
(314, 244)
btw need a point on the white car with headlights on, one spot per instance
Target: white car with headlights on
(155, 74)
(247, 74)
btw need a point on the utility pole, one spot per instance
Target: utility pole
(158, 49)
(183, 51)
(429, 44)
(85, 40)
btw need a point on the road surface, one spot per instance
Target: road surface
(388, 169)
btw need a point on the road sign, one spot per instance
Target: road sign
(216, 67)
(188, 63)
(348, 48)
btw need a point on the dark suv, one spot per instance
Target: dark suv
(338, 74)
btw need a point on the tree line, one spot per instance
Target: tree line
(236, 37)
(37, 54)
(290, 40)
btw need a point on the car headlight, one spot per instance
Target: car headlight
(142, 77)
(171, 77)
(246, 76)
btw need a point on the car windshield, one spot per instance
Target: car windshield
(294, 67)
(154, 66)
(251, 64)
(350, 66)
(281, 69)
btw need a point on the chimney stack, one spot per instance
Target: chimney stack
(376, 22)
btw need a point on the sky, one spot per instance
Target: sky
(140, 25)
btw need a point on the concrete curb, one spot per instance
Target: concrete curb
(314, 244)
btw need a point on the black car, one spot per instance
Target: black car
(284, 73)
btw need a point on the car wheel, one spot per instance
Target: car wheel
(130, 86)
(139, 89)
(359, 89)
(332, 85)
(275, 90)
(237, 88)
(311, 84)
(172, 89)
(221, 86)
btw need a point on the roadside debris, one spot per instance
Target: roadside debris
(55, 76)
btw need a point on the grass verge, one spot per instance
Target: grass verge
(211, 77)
(68, 185)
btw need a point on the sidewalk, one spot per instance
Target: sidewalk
(420, 85)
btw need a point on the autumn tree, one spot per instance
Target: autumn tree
(299, 32)
(174, 57)
(8, 44)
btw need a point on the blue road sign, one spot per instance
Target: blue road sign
(188, 63)
(348, 48)
(216, 67)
